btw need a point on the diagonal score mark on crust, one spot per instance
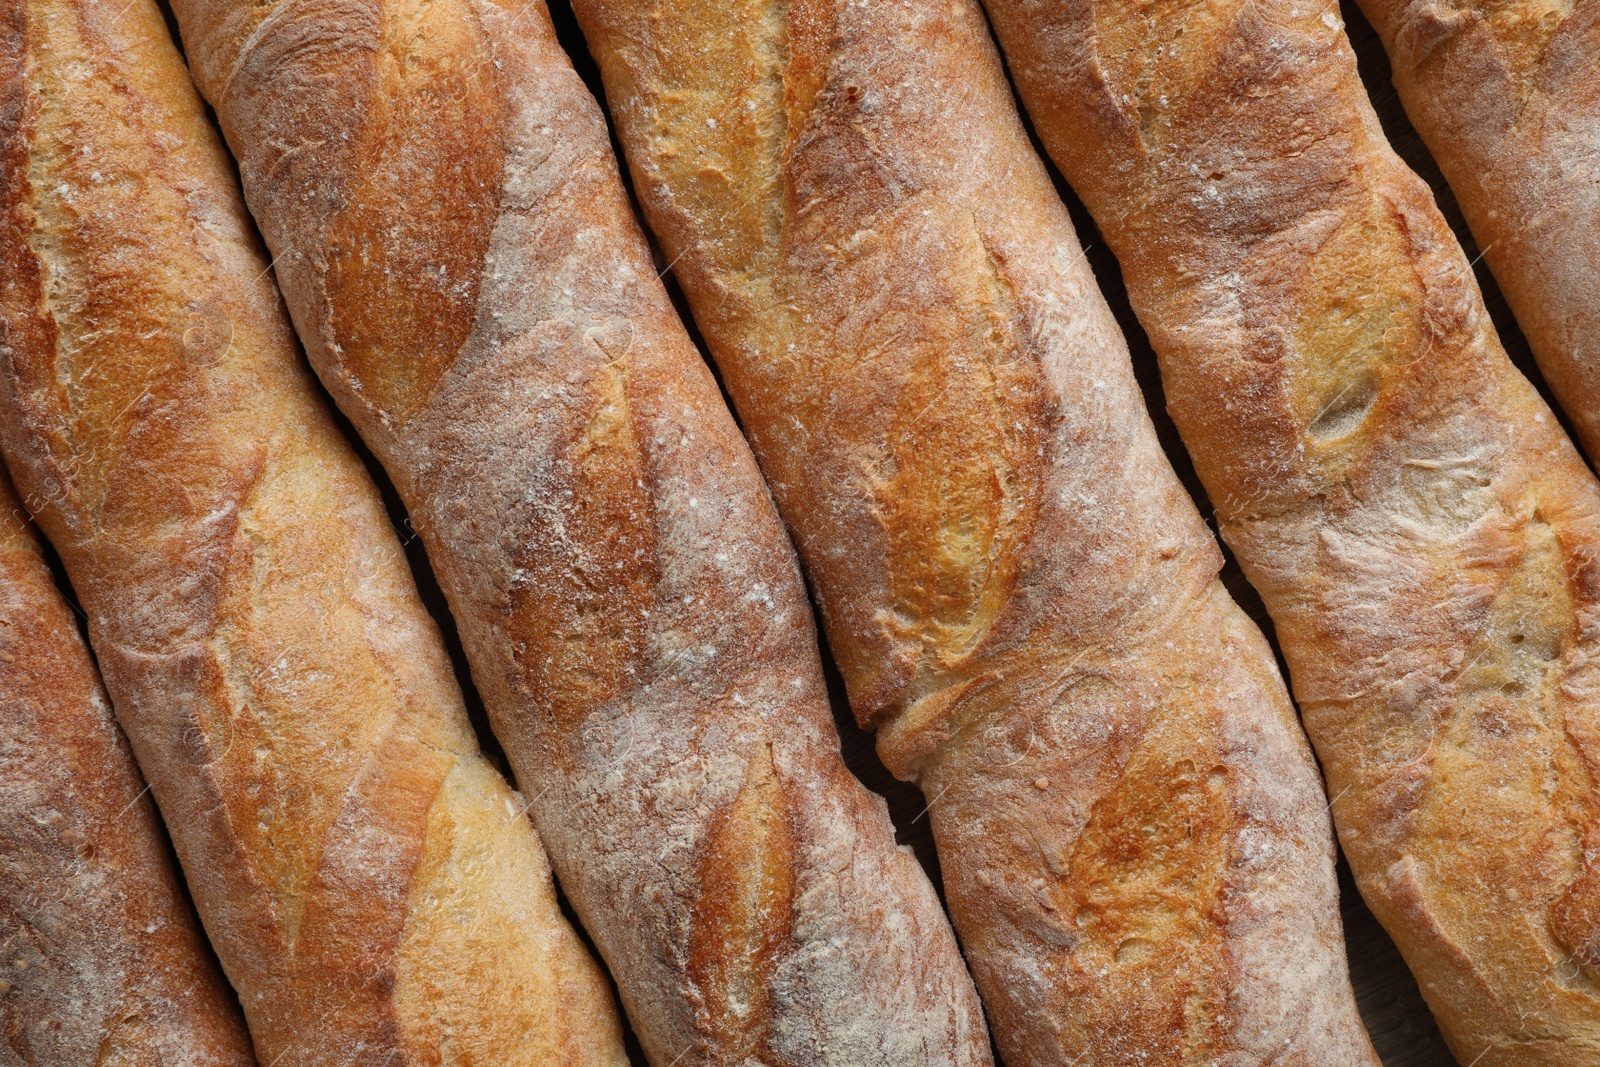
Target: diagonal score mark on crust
(961, 529)
(408, 252)
(587, 571)
(742, 922)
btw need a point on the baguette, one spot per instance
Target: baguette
(100, 945)
(368, 880)
(1023, 600)
(462, 261)
(1507, 96)
(1425, 537)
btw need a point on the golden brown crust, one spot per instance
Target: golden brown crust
(1022, 598)
(366, 878)
(1507, 95)
(101, 959)
(460, 256)
(1424, 536)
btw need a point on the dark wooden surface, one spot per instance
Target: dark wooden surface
(1396, 1017)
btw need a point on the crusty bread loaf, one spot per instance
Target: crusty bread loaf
(99, 948)
(369, 882)
(1507, 95)
(1022, 597)
(1425, 537)
(460, 256)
